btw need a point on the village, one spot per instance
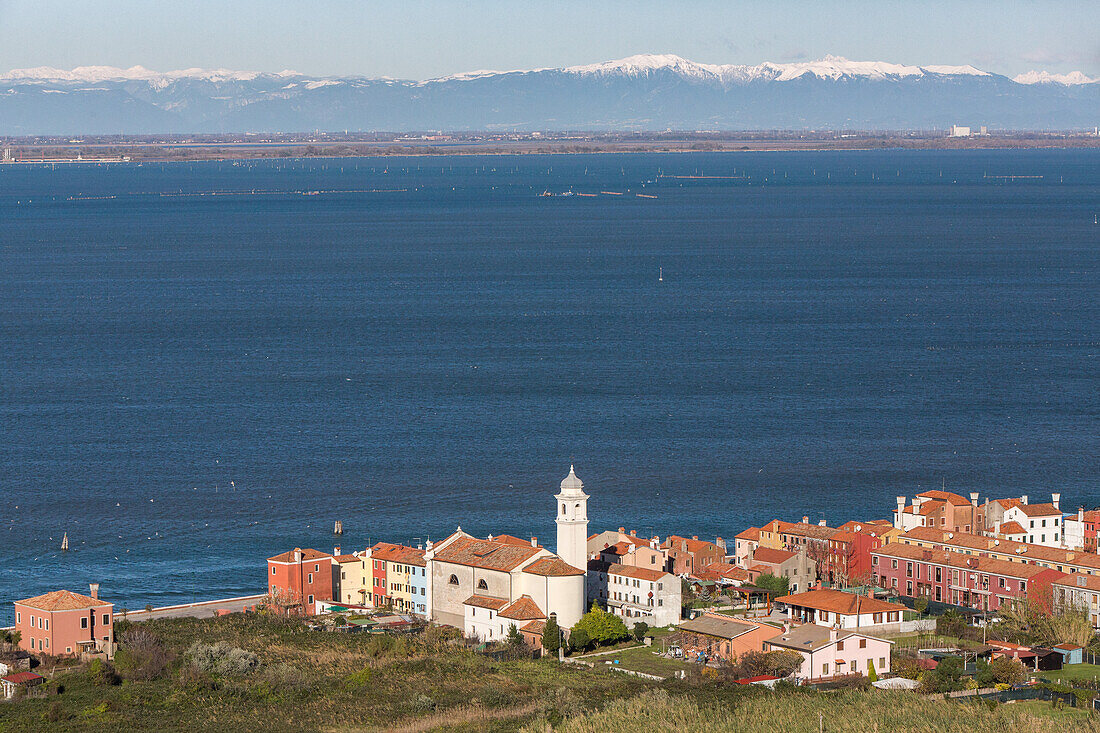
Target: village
(955, 596)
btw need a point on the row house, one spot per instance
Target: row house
(1079, 592)
(685, 556)
(353, 578)
(723, 573)
(298, 578)
(981, 583)
(835, 608)
(848, 560)
(400, 574)
(942, 509)
(1079, 530)
(1062, 560)
(1042, 523)
(796, 566)
(794, 536)
(744, 543)
(635, 594)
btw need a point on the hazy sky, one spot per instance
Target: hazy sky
(424, 38)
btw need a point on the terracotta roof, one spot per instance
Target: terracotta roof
(512, 540)
(811, 637)
(534, 627)
(635, 540)
(838, 602)
(946, 496)
(486, 602)
(22, 678)
(523, 608)
(1090, 582)
(62, 600)
(814, 531)
(752, 533)
(1068, 647)
(675, 542)
(629, 571)
(771, 556)
(348, 558)
(1020, 551)
(723, 628)
(307, 555)
(398, 553)
(619, 548)
(1012, 528)
(1005, 503)
(1039, 510)
(477, 553)
(553, 567)
(1092, 515)
(724, 571)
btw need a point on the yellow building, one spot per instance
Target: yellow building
(353, 578)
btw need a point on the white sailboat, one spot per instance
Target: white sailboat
(660, 274)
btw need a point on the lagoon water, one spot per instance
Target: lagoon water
(192, 382)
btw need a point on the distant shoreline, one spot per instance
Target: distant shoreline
(280, 147)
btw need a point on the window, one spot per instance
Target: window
(882, 662)
(84, 622)
(47, 643)
(272, 569)
(482, 585)
(310, 578)
(825, 670)
(862, 643)
(453, 580)
(274, 590)
(893, 564)
(840, 646)
(18, 618)
(316, 568)
(309, 599)
(48, 624)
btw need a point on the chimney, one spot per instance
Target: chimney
(974, 498)
(1023, 499)
(1056, 499)
(821, 523)
(805, 520)
(1080, 514)
(832, 634)
(721, 543)
(683, 545)
(695, 537)
(297, 554)
(93, 588)
(622, 530)
(534, 542)
(633, 533)
(336, 550)
(870, 592)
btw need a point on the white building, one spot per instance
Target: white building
(469, 578)
(960, 131)
(834, 608)
(635, 594)
(830, 652)
(1079, 530)
(491, 619)
(1042, 523)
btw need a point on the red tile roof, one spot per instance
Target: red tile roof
(1020, 551)
(771, 556)
(752, 534)
(486, 602)
(398, 553)
(675, 542)
(1040, 510)
(628, 571)
(534, 627)
(977, 563)
(1079, 580)
(945, 496)
(523, 608)
(22, 678)
(511, 540)
(62, 600)
(553, 567)
(723, 571)
(486, 555)
(840, 602)
(307, 556)
(349, 558)
(1012, 528)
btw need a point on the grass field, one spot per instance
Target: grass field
(303, 680)
(1073, 672)
(644, 659)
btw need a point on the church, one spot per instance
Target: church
(484, 586)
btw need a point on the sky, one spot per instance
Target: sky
(418, 39)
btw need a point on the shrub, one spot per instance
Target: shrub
(578, 640)
(640, 630)
(102, 673)
(514, 637)
(360, 679)
(602, 627)
(55, 713)
(872, 675)
(423, 704)
(221, 659)
(1008, 671)
(907, 667)
(142, 656)
(493, 696)
(551, 636)
(193, 682)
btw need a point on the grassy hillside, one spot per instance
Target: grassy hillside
(274, 674)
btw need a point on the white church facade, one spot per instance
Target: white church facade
(484, 586)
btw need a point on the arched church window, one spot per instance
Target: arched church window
(453, 580)
(563, 508)
(482, 585)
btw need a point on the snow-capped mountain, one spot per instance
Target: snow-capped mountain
(643, 92)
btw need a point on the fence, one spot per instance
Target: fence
(1023, 693)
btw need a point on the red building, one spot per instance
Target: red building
(685, 556)
(380, 591)
(972, 581)
(848, 559)
(297, 579)
(64, 623)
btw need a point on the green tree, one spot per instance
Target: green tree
(1008, 671)
(551, 636)
(602, 627)
(579, 640)
(640, 630)
(514, 637)
(872, 675)
(920, 605)
(779, 586)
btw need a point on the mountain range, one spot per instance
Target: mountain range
(645, 93)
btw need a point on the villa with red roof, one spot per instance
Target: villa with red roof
(635, 594)
(1042, 523)
(828, 607)
(797, 567)
(941, 509)
(63, 623)
(685, 556)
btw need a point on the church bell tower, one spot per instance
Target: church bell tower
(572, 511)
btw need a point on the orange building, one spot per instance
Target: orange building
(723, 637)
(298, 578)
(64, 623)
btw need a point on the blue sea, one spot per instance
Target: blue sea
(206, 364)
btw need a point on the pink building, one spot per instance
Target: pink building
(298, 578)
(831, 652)
(64, 623)
(973, 581)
